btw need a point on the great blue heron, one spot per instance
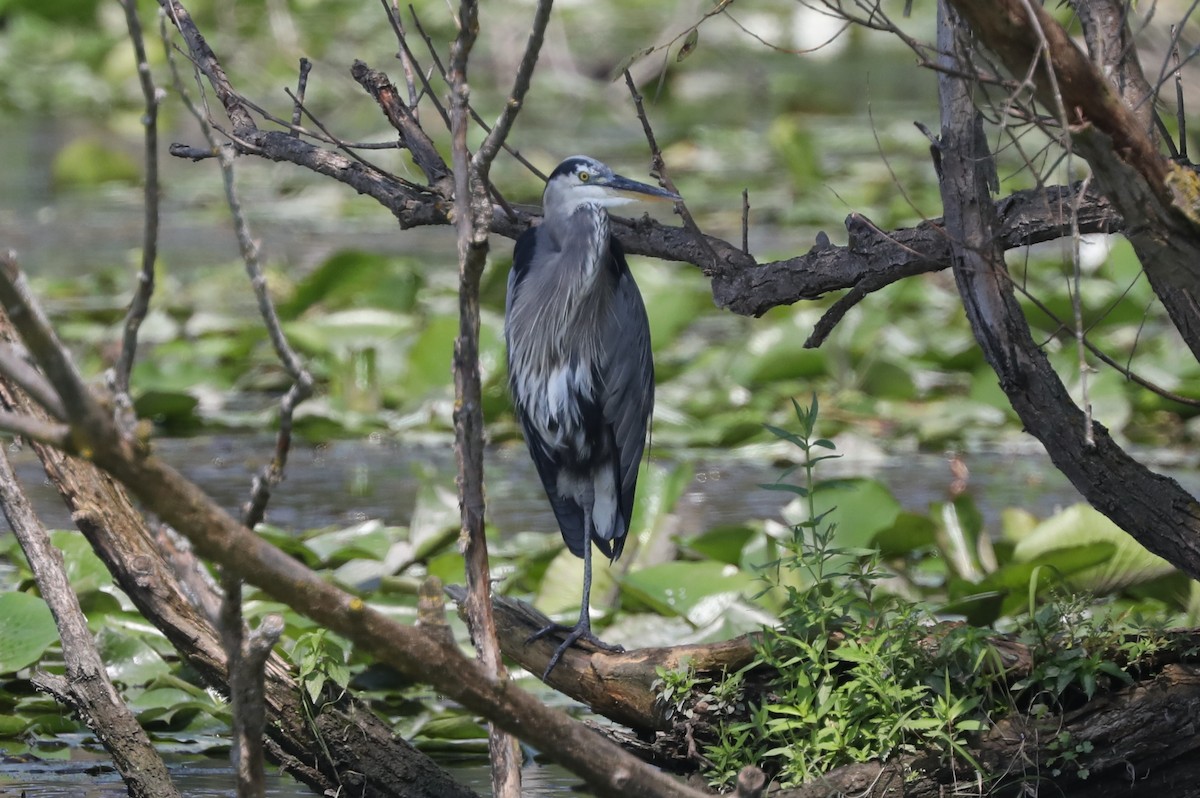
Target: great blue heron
(579, 364)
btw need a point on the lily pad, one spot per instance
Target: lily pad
(562, 584)
(12, 726)
(130, 660)
(860, 508)
(26, 630)
(722, 543)
(687, 589)
(910, 532)
(84, 569)
(369, 539)
(1130, 563)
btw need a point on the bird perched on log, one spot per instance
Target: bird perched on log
(579, 365)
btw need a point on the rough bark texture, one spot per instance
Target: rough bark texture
(1153, 508)
(363, 753)
(1111, 47)
(219, 537)
(86, 687)
(1143, 729)
(615, 685)
(472, 220)
(1158, 199)
(1142, 738)
(1163, 516)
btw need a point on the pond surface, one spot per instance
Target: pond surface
(88, 774)
(350, 481)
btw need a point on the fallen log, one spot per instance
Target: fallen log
(1138, 740)
(617, 685)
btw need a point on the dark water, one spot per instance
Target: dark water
(345, 482)
(87, 774)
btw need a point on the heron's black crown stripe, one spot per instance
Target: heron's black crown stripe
(568, 166)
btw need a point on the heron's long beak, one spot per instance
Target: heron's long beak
(633, 190)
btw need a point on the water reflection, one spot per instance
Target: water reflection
(345, 482)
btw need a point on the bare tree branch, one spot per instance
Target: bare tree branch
(1110, 43)
(424, 151)
(86, 688)
(88, 419)
(218, 536)
(46, 432)
(15, 366)
(473, 216)
(1158, 199)
(140, 303)
(482, 161)
(1161, 515)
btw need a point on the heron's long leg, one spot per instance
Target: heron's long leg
(585, 609)
(583, 629)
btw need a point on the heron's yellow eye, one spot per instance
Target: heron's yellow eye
(584, 176)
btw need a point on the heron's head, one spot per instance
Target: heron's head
(580, 180)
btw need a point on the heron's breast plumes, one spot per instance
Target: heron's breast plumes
(555, 346)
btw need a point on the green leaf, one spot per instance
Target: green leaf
(722, 543)
(1130, 564)
(860, 508)
(129, 660)
(689, 44)
(684, 588)
(85, 571)
(562, 584)
(1009, 586)
(369, 539)
(659, 490)
(12, 726)
(175, 410)
(354, 278)
(785, 487)
(453, 727)
(776, 353)
(629, 60)
(26, 630)
(90, 162)
(909, 533)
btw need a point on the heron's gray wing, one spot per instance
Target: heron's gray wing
(568, 512)
(627, 380)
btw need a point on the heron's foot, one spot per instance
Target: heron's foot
(574, 634)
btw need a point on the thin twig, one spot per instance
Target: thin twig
(495, 139)
(140, 304)
(302, 381)
(247, 658)
(15, 366)
(1180, 116)
(349, 148)
(437, 62)
(658, 168)
(30, 320)
(1077, 312)
(473, 217)
(745, 221)
(407, 63)
(301, 86)
(56, 435)
(1125, 370)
